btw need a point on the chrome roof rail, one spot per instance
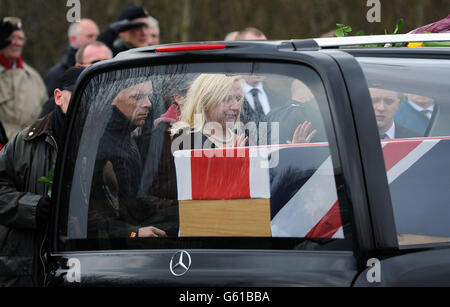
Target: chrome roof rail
(328, 42)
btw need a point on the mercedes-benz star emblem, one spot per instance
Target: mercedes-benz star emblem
(180, 263)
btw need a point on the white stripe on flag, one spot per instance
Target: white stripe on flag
(308, 206)
(339, 234)
(410, 159)
(183, 171)
(258, 173)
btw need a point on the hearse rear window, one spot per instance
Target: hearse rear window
(412, 108)
(211, 155)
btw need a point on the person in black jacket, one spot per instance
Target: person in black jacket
(3, 138)
(86, 55)
(79, 33)
(24, 202)
(115, 210)
(134, 28)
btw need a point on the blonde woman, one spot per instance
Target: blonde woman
(210, 113)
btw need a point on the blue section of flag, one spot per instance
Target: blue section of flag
(296, 165)
(420, 196)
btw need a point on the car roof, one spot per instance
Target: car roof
(274, 45)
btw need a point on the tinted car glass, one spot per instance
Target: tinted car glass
(146, 151)
(416, 97)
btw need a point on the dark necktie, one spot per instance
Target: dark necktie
(258, 108)
(384, 136)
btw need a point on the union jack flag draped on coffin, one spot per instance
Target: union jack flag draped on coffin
(302, 190)
(418, 173)
(296, 181)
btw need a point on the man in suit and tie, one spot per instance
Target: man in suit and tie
(385, 104)
(259, 101)
(415, 112)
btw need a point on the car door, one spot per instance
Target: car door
(301, 212)
(416, 165)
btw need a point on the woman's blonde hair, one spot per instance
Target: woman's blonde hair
(206, 91)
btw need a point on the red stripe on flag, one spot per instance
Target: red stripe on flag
(328, 225)
(221, 177)
(393, 152)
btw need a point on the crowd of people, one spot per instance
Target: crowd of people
(32, 112)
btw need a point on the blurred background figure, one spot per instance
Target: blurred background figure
(92, 53)
(331, 33)
(415, 112)
(300, 92)
(86, 55)
(250, 34)
(153, 31)
(79, 34)
(22, 90)
(134, 28)
(231, 36)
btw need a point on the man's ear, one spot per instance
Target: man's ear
(57, 94)
(73, 40)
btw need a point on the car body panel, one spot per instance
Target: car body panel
(212, 268)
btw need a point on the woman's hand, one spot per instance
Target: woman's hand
(301, 134)
(240, 140)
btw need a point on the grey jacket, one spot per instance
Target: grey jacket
(22, 95)
(30, 155)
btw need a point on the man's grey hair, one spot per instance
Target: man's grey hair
(153, 23)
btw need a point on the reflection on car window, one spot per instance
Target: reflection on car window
(386, 106)
(190, 152)
(412, 110)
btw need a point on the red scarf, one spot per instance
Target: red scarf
(171, 116)
(8, 65)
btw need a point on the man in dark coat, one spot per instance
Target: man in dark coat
(86, 55)
(385, 104)
(24, 202)
(79, 33)
(3, 138)
(134, 28)
(259, 101)
(115, 210)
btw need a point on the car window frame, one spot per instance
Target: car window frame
(384, 222)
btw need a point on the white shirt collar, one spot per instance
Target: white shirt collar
(391, 132)
(247, 88)
(263, 99)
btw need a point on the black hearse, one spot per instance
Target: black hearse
(343, 208)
